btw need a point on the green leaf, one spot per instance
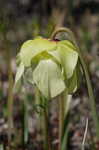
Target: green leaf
(19, 73)
(69, 59)
(34, 47)
(48, 78)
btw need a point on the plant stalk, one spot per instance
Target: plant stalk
(89, 86)
(10, 90)
(47, 141)
(61, 118)
(25, 123)
(10, 105)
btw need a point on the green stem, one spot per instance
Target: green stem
(89, 86)
(10, 105)
(47, 141)
(61, 118)
(10, 90)
(65, 129)
(25, 122)
(46, 130)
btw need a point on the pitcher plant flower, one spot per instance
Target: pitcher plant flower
(54, 65)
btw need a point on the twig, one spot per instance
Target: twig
(85, 134)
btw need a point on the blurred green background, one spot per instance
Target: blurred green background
(21, 20)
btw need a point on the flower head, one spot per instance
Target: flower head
(54, 65)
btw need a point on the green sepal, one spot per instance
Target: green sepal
(69, 59)
(68, 44)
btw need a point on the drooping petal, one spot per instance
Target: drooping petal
(19, 73)
(72, 83)
(69, 59)
(34, 47)
(48, 78)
